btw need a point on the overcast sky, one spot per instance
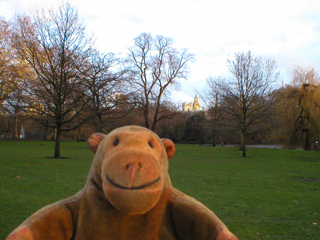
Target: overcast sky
(287, 31)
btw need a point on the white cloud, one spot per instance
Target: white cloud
(180, 97)
(287, 31)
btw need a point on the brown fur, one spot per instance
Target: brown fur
(128, 195)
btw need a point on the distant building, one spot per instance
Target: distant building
(191, 107)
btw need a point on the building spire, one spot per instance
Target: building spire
(195, 106)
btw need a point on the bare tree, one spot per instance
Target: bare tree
(56, 47)
(155, 65)
(104, 88)
(247, 96)
(211, 97)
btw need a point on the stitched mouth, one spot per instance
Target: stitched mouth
(132, 188)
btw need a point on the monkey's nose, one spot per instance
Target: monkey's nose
(134, 169)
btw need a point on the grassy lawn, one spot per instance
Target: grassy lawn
(272, 194)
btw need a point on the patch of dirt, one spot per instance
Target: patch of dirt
(306, 179)
(304, 159)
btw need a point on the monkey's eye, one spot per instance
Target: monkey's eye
(116, 142)
(150, 144)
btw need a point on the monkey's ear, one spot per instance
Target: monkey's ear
(95, 140)
(169, 146)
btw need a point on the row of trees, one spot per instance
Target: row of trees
(51, 74)
(61, 81)
(250, 103)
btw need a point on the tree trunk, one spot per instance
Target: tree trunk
(16, 134)
(146, 117)
(79, 134)
(57, 145)
(102, 122)
(243, 145)
(153, 127)
(155, 118)
(308, 142)
(104, 126)
(54, 136)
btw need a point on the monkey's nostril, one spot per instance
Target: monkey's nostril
(133, 165)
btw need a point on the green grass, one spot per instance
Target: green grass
(272, 194)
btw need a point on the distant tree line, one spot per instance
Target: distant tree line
(55, 83)
(52, 74)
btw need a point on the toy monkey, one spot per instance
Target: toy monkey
(128, 195)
